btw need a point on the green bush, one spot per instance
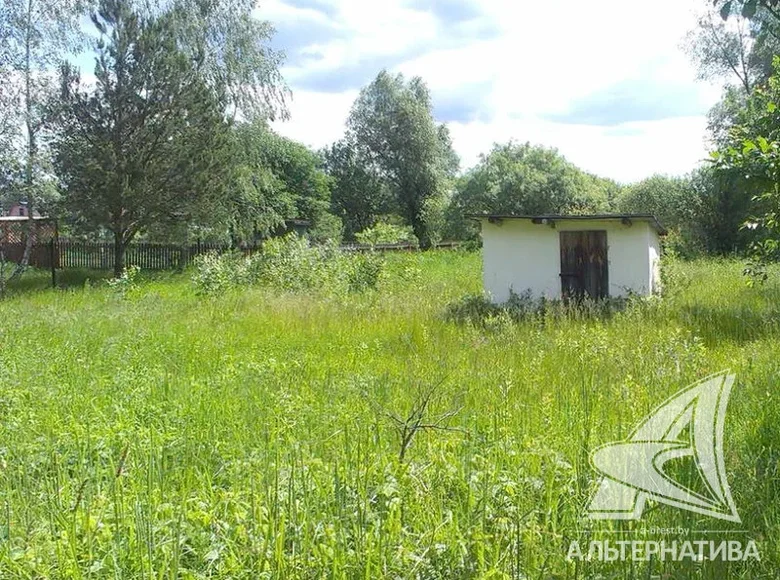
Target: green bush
(124, 284)
(362, 271)
(479, 310)
(384, 233)
(216, 273)
(289, 264)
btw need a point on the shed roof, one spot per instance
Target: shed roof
(625, 218)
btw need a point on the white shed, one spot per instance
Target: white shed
(557, 256)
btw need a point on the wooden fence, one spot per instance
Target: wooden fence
(148, 256)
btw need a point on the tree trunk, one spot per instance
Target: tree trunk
(29, 228)
(420, 229)
(31, 150)
(119, 255)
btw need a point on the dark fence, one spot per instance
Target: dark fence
(394, 247)
(41, 255)
(148, 256)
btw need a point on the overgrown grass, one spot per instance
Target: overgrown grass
(161, 434)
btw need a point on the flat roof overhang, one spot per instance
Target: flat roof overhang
(550, 219)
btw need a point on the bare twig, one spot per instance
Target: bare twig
(418, 420)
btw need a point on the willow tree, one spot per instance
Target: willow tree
(392, 124)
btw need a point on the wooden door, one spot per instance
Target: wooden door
(584, 266)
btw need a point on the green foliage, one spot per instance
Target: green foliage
(752, 9)
(126, 283)
(214, 274)
(529, 180)
(326, 228)
(677, 204)
(259, 199)
(288, 264)
(721, 50)
(739, 52)
(754, 150)
(149, 145)
(479, 310)
(363, 271)
(359, 195)
(386, 233)
(230, 46)
(35, 36)
(249, 436)
(392, 124)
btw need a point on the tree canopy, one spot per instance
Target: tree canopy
(527, 179)
(150, 143)
(392, 125)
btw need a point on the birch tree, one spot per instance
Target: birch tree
(35, 36)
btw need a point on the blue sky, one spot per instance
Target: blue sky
(605, 81)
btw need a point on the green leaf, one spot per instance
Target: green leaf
(771, 107)
(725, 11)
(749, 9)
(748, 146)
(763, 144)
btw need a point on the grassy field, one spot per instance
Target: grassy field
(156, 433)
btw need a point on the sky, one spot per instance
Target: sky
(606, 82)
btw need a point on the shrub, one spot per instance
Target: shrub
(216, 273)
(362, 271)
(126, 282)
(383, 233)
(472, 308)
(290, 264)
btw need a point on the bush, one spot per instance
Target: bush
(383, 233)
(290, 264)
(126, 283)
(216, 273)
(363, 271)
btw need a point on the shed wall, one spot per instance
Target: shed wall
(520, 255)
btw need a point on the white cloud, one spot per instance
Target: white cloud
(317, 119)
(531, 62)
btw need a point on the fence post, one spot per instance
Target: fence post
(53, 263)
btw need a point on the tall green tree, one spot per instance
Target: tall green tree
(526, 179)
(150, 144)
(359, 196)
(734, 42)
(229, 45)
(302, 176)
(392, 123)
(724, 51)
(753, 150)
(678, 203)
(35, 36)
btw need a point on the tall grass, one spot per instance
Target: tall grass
(161, 434)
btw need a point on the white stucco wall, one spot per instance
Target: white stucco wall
(520, 255)
(655, 261)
